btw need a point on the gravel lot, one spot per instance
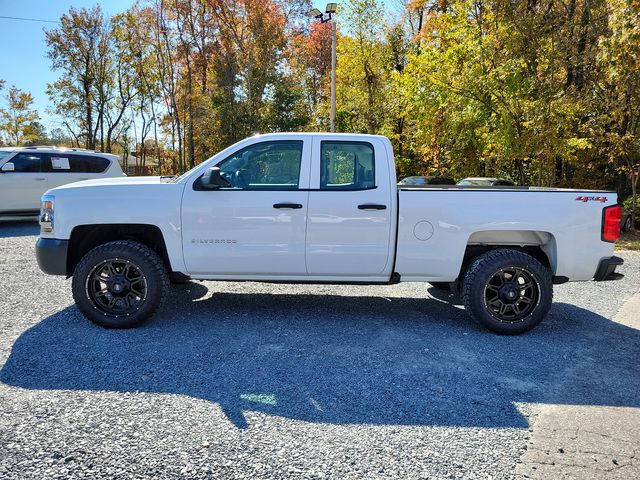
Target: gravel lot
(246, 380)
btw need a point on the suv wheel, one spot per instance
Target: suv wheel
(507, 291)
(120, 284)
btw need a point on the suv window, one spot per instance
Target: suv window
(271, 165)
(28, 162)
(347, 166)
(74, 163)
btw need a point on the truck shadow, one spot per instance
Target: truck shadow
(334, 359)
(24, 227)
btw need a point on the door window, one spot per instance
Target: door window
(347, 166)
(263, 166)
(72, 163)
(27, 162)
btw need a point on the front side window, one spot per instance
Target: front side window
(27, 162)
(263, 166)
(347, 166)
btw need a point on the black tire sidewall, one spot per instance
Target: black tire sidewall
(627, 224)
(145, 259)
(489, 264)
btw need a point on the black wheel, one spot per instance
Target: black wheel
(441, 285)
(177, 278)
(120, 284)
(626, 226)
(507, 291)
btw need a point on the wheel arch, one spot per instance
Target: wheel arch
(86, 237)
(539, 244)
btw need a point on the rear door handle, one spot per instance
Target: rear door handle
(287, 205)
(372, 206)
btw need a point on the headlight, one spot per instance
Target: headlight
(46, 214)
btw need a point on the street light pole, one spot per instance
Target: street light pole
(333, 76)
(328, 17)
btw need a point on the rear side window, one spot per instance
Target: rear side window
(28, 162)
(68, 162)
(347, 166)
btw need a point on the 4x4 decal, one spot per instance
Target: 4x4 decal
(581, 198)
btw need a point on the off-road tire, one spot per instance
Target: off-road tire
(479, 295)
(148, 265)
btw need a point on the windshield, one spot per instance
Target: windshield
(4, 154)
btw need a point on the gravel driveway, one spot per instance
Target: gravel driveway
(247, 380)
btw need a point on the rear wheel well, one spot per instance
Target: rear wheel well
(86, 237)
(474, 251)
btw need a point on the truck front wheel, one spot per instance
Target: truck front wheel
(507, 291)
(120, 284)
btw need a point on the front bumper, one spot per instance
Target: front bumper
(51, 254)
(607, 267)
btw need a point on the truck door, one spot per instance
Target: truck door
(255, 223)
(350, 208)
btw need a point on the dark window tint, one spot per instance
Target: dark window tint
(27, 162)
(71, 162)
(347, 166)
(263, 166)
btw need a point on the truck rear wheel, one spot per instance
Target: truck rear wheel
(507, 291)
(120, 284)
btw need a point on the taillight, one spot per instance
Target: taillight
(611, 217)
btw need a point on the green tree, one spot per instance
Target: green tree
(18, 115)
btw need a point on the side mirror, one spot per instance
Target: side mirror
(8, 167)
(211, 179)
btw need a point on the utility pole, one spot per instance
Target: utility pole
(333, 76)
(324, 18)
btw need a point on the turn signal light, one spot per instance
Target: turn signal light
(611, 217)
(46, 214)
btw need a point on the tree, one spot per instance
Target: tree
(96, 85)
(16, 118)
(361, 70)
(617, 126)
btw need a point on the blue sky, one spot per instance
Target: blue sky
(22, 48)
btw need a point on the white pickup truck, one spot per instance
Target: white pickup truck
(322, 208)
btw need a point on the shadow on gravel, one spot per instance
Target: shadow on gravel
(18, 228)
(335, 359)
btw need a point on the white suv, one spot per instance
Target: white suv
(28, 172)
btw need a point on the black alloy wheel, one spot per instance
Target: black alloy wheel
(117, 287)
(511, 294)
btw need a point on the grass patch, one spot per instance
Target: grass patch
(629, 241)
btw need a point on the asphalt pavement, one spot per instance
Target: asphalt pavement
(248, 380)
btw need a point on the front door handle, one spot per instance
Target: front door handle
(39, 179)
(372, 206)
(287, 205)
